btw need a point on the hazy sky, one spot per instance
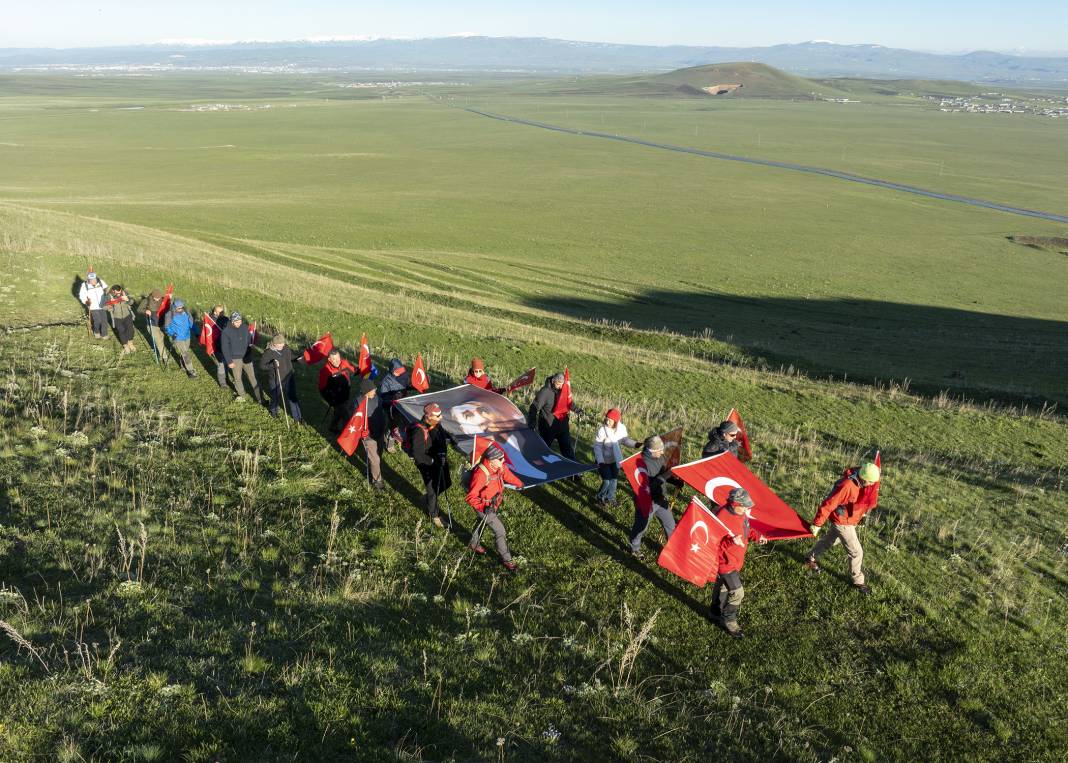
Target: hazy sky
(939, 25)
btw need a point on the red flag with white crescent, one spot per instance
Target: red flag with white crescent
(747, 452)
(355, 430)
(319, 349)
(363, 364)
(208, 330)
(715, 476)
(692, 551)
(420, 382)
(634, 468)
(166, 303)
(523, 380)
(563, 400)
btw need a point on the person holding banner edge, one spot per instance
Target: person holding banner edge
(843, 507)
(485, 496)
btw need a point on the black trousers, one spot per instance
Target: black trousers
(124, 329)
(558, 431)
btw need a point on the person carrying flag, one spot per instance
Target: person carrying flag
(395, 385)
(236, 347)
(150, 307)
(727, 593)
(180, 328)
(726, 438)
(608, 456)
(477, 377)
(277, 360)
(485, 496)
(118, 305)
(429, 449)
(551, 415)
(377, 427)
(212, 326)
(94, 295)
(845, 510)
(335, 384)
(658, 475)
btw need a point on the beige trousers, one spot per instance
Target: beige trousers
(848, 535)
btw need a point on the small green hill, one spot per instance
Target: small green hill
(726, 80)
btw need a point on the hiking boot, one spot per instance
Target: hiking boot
(477, 548)
(378, 485)
(862, 588)
(239, 399)
(509, 565)
(191, 373)
(639, 554)
(733, 629)
(813, 567)
(441, 526)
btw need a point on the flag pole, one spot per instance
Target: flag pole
(281, 393)
(152, 339)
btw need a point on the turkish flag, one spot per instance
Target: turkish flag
(672, 447)
(355, 430)
(563, 400)
(253, 334)
(420, 382)
(715, 476)
(319, 349)
(363, 365)
(692, 551)
(525, 380)
(208, 330)
(634, 468)
(166, 303)
(747, 452)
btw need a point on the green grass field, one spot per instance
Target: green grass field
(184, 579)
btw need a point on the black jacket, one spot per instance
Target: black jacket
(236, 343)
(432, 449)
(377, 421)
(541, 409)
(716, 445)
(284, 357)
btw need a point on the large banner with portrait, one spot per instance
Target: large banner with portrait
(468, 411)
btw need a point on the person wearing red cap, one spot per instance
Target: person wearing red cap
(608, 455)
(477, 377)
(485, 496)
(429, 448)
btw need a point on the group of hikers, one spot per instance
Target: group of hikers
(229, 342)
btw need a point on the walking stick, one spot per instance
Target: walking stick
(152, 338)
(281, 393)
(366, 460)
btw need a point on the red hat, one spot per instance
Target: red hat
(613, 414)
(431, 409)
(477, 365)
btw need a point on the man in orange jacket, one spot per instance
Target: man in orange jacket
(485, 496)
(844, 507)
(728, 592)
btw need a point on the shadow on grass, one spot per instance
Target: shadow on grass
(1000, 357)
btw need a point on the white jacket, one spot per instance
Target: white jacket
(97, 295)
(606, 443)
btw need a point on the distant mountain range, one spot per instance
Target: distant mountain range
(544, 55)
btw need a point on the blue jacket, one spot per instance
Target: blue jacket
(181, 327)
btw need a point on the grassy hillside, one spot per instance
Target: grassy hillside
(754, 265)
(184, 579)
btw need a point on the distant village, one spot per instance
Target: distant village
(996, 103)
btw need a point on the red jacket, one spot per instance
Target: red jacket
(487, 485)
(483, 383)
(731, 555)
(346, 369)
(847, 503)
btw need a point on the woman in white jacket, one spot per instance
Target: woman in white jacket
(608, 455)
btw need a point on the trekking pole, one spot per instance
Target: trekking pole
(366, 460)
(448, 508)
(152, 338)
(281, 393)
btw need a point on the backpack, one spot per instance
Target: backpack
(406, 441)
(467, 473)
